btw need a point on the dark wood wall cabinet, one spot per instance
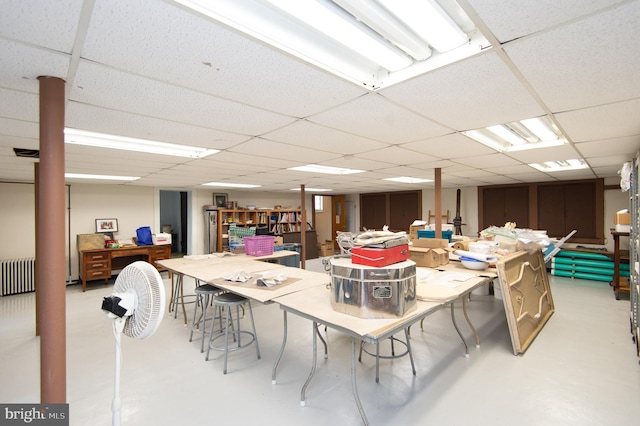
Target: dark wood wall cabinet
(557, 207)
(397, 210)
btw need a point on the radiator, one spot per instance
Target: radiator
(18, 276)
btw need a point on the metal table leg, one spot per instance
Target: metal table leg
(284, 342)
(455, 324)
(313, 365)
(466, 316)
(353, 382)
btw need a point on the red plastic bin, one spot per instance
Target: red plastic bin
(260, 245)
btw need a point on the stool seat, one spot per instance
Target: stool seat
(204, 294)
(228, 301)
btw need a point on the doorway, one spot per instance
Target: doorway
(329, 216)
(174, 219)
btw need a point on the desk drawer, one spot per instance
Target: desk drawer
(96, 257)
(160, 252)
(96, 274)
(129, 252)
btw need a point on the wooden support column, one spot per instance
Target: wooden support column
(36, 179)
(438, 202)
(50, 243)
(303, 228)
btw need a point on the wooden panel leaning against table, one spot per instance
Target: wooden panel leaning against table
(96, 264)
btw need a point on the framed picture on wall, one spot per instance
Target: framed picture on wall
(220, 200)
(107, 225)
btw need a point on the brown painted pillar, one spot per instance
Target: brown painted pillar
(36, 179)
(303, 228)
(438, 201)
(50, 244)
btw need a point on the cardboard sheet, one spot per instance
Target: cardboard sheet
(527, 296)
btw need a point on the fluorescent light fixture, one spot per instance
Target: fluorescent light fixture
(232, 185)
(539, 132)
(315, 168)
(333, 21)
(99, 177)
(406, 179)
(540, 129)
(313, 189)
(104, 140)
(560, 166)
(506, 134)
(372, 44)
(429, 21)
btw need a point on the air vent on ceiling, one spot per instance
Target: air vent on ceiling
(27, 153)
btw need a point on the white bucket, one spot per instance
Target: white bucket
(482, 290)
(497, 289)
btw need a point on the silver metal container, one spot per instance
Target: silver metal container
(369, 292)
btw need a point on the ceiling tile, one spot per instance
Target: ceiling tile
(477, 92)
(590, 62)
(378, 118)
(524, 17)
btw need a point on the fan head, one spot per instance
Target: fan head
(145, 282)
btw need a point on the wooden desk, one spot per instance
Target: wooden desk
(99, 264)
(618, 256)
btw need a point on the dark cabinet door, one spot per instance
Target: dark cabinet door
(397, 210)
(505, 204)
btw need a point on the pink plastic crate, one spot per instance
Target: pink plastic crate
(260, 245)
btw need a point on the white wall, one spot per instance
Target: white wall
(17, 216)
(136, 206)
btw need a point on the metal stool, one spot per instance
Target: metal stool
(204, 294)
(406, 351)
(228, 301)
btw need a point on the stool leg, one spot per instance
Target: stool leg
(205, 303)
(195, 315)
(253, 326)
(226, 340)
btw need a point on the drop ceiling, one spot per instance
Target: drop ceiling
(150, 69)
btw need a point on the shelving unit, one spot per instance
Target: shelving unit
(277, 221)
(634, 254)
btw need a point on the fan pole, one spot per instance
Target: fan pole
(118, 326)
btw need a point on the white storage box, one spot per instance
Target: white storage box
(161, 238)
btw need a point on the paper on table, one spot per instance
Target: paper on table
(238, 276)
(450, 279)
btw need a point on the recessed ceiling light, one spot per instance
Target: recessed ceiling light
(315, 168)
(405, 179)
(313, 189)
(104, 140)
(99, 177)
(232, 185)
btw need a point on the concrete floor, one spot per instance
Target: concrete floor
(581, 370)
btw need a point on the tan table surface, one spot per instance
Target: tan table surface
(211, 268)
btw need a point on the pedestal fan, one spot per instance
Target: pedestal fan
(136, 307)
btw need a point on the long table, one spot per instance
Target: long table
(206, 268)
(314, 305)
(309, 297)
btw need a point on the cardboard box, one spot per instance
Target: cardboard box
(413, 231)
(326, 249)
(277, 241)
(429, 252)
(622, 221)
(379, 257)
(161, 238)
(621, 218)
